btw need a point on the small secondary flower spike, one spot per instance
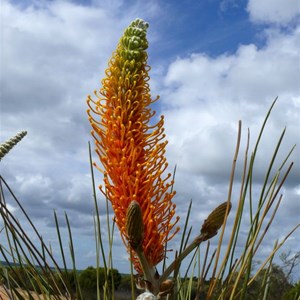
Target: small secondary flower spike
(9, 144)
(131, 150)
(215, 220)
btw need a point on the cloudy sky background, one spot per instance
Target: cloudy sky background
(213, 63)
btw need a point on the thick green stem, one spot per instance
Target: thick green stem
(148, 271)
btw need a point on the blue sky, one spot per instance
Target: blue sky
(206, 27)
(213, 63)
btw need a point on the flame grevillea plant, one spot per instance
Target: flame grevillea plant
(131, 150)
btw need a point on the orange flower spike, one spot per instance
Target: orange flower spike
(130, 150)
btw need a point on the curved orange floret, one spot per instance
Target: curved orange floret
(132, 150)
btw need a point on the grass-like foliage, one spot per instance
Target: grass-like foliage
(144, 211)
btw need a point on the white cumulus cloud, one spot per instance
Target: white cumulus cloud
(273, 11)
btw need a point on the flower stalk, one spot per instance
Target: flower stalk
(209, 229)
(132, 153)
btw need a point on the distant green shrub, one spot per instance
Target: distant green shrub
(293, 293)
(66, 281)
(88, 278)
(125, 284)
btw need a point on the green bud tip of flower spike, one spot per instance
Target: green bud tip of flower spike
(134, 42)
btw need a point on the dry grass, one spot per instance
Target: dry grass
(5, 295)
